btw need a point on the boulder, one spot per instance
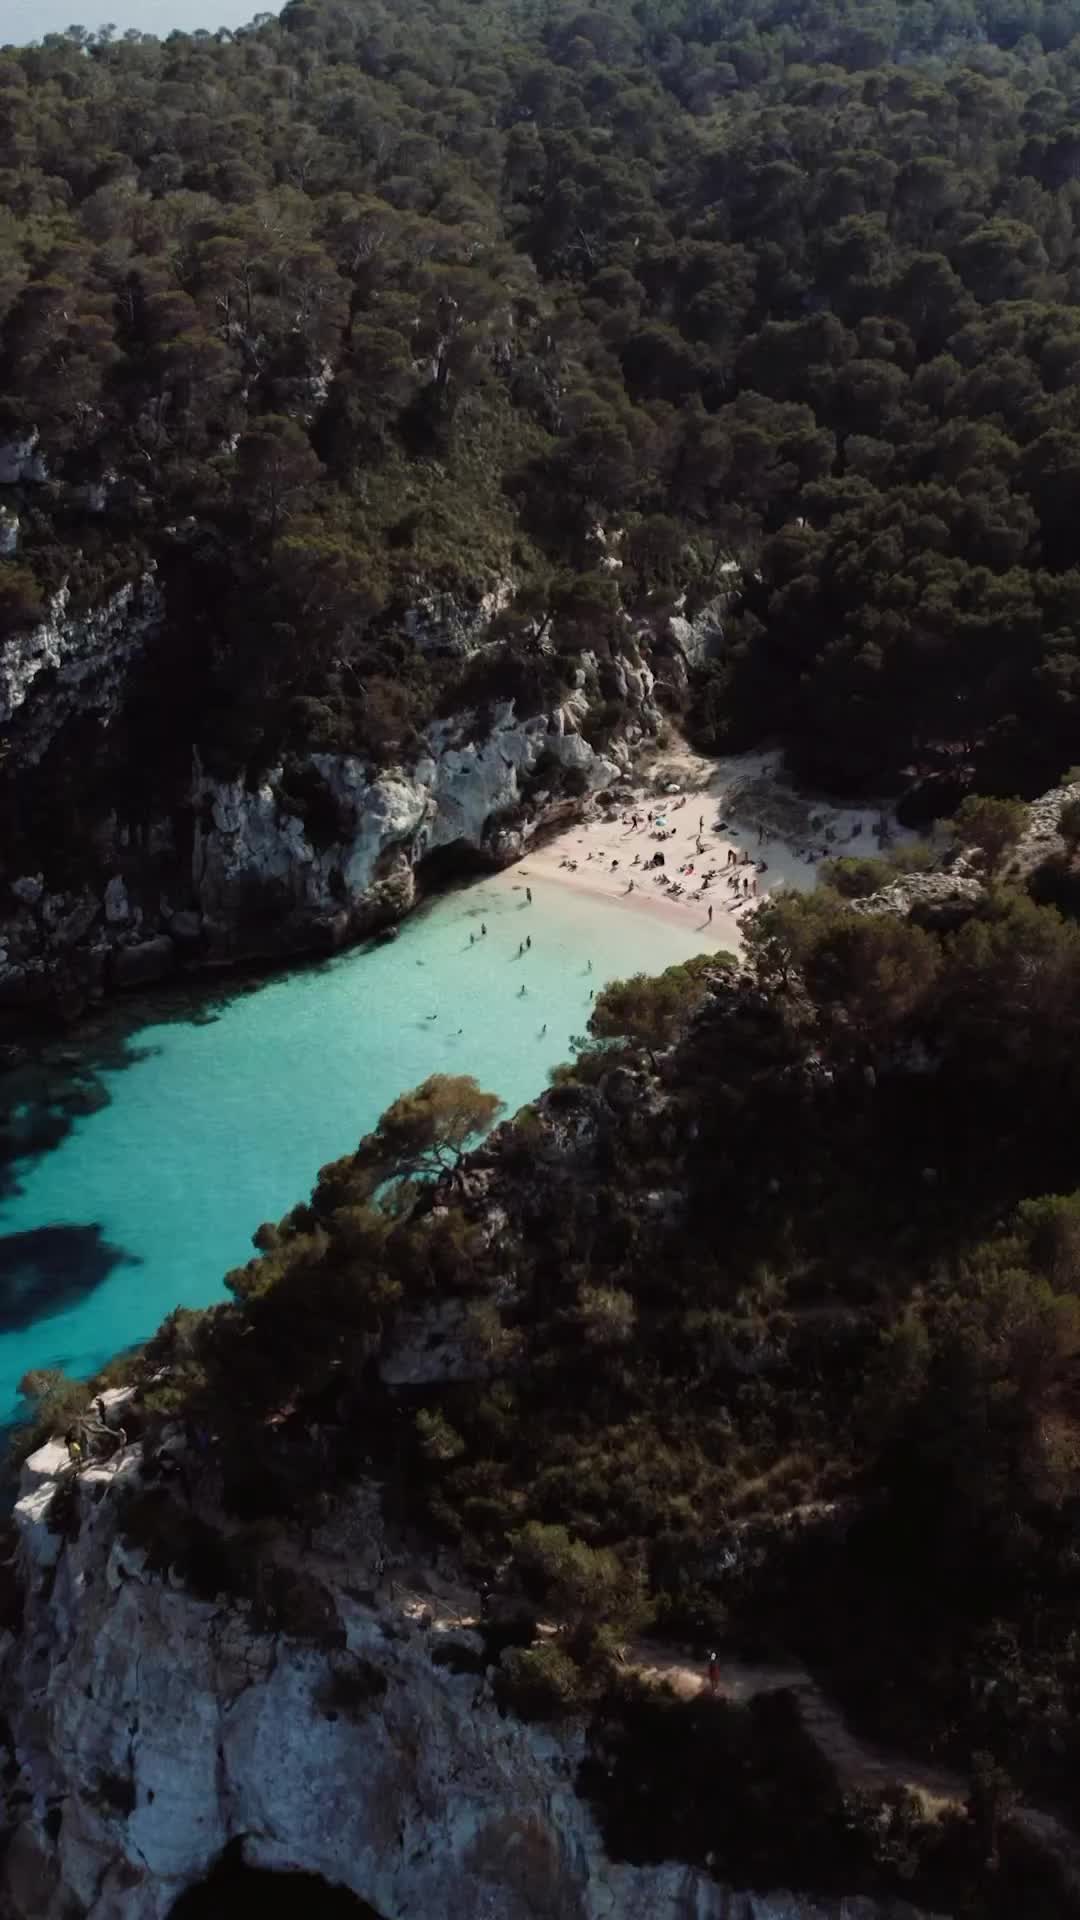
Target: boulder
(140, 965)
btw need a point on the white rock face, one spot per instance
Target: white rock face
(160, 1727)
(87, 654)
(456, 794)
(439, 623)
(117, 910)
(20, 461)
(700, 637)
(262, 880)
(1040, 839)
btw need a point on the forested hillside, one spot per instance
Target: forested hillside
(363, 302)
(761, 1330)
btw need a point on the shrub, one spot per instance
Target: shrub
(54, 1402)
(990, 825)
(539, 1683)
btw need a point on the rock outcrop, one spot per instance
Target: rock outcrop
(310, 856)
(150, 1728)
(73, 661)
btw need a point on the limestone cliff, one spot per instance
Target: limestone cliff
(303, 857)
(149, 1728)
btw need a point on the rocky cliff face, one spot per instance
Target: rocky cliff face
(308, 858)
(150, 1728)
(72, 662)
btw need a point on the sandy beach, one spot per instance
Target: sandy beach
(703, 813)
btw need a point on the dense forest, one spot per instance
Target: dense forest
(353, 306)
(767, 1328)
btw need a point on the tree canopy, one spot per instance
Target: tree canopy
(768, 305)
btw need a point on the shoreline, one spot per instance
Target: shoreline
(720, 807)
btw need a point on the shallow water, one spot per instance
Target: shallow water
(144, 1155)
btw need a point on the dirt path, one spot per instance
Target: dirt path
(858, 1764)
(444, 1606)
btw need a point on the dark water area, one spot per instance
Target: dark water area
(48, 1270)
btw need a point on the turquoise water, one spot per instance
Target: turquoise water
(210, 1115)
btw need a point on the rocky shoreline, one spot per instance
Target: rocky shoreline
(318, 854)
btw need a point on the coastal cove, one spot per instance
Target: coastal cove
(204, 1114)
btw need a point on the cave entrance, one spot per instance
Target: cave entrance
(450, 866)
(232, 1889)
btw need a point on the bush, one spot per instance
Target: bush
(54, 1403)
(539, 1683)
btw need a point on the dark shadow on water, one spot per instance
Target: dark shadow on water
(55, 1082)
(48, 1270)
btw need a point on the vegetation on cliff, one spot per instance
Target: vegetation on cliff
(346, 310)
(760, 1328)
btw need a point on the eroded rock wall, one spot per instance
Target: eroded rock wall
(304, 859)
(150, 1728)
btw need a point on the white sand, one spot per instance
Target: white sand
(761, 816)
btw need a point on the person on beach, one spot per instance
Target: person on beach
(472, 939)
(483, 926)
(701, 823)
(528, 943)
(528, 896)
(543, 1030)
(589, 967)
(630, 888)
(710, 916)
(522, 991)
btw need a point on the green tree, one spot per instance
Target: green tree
(275, 465)
(428, 1131)
(650, 1011)
(991, 826)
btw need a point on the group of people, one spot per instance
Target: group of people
(654, 822)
